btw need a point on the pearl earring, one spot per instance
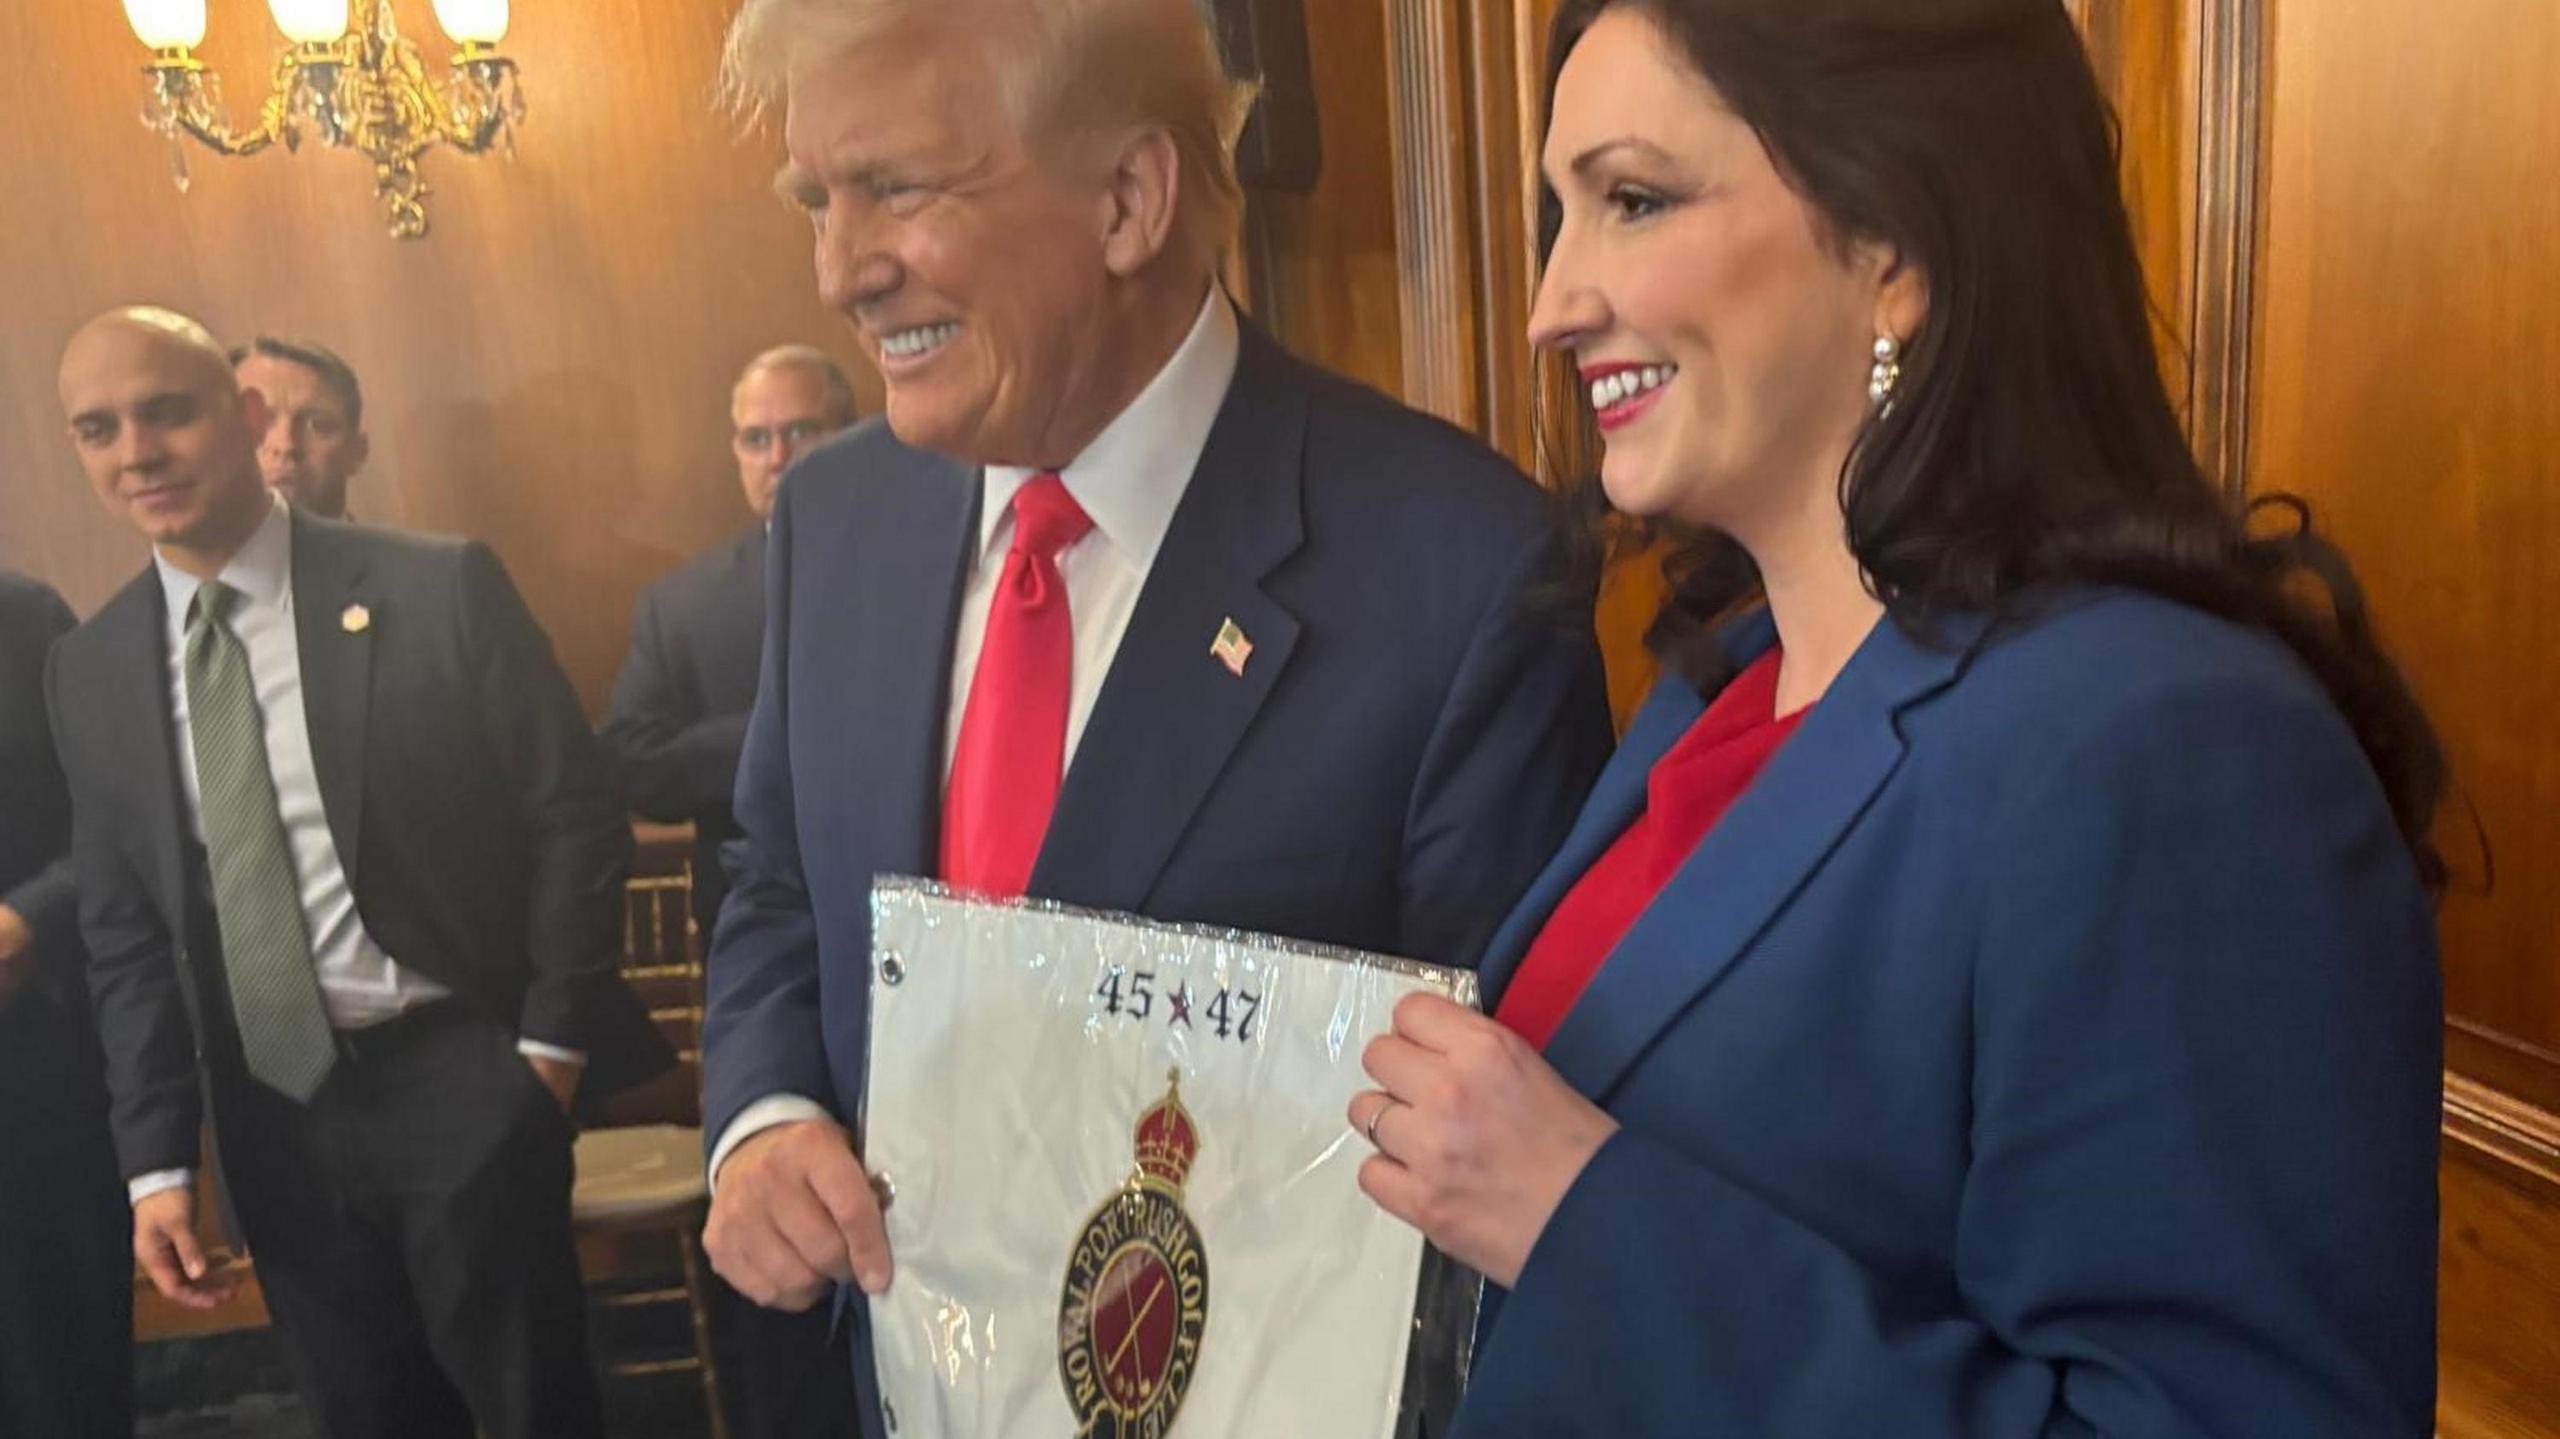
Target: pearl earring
(1887, 373)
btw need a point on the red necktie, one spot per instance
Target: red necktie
(1013, 733)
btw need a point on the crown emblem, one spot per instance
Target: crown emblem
(1135, 1306)
(1166, 1139)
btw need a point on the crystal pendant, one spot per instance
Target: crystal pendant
(510, 103)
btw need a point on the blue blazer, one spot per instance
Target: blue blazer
(2047, 1044)
(1407, 744)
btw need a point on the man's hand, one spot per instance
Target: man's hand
(794, 1215)
(164, 1244)
(17, 954)
(557, 1075)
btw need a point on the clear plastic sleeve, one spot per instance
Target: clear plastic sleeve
(1123, 1193)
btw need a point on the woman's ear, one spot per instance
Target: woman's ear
(1902, 292)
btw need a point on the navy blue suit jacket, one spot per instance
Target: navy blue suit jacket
(679, 709)
(1407, 744)
(2046, 1045)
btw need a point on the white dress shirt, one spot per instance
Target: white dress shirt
(1129, 482)
(360, 985)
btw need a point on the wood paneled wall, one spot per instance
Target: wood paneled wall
(547, 371)
(2406, 379)
(2141, 54)
(1322, 264)
(2409, 384)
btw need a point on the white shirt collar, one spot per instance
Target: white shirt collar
(1133, 475)
(262, 569)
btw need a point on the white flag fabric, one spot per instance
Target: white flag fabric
(1124, 1197)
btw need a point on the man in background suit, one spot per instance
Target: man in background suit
(679, 707)
(66, 1296)
(350, 875)
(314, 443)
(1122, 606)
(677, 718)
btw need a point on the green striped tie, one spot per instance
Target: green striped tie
(257, 899)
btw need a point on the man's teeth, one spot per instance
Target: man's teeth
(902, 344)
(1617, 389)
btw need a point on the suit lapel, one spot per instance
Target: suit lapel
(137, 678)
(1170, 711)
(1616, 799)
(908, 540)
(1754, 861)
(723, 651)
(334, 622)
(746, 566)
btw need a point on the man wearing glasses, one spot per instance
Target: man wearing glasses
(679, 708)
(677, 719)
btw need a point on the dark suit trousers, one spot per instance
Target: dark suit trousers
(411, 1233)
(66, 1252)
(798, 1385)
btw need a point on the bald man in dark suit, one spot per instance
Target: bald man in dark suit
(351, 882)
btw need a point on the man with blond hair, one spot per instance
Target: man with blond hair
(1119, 605)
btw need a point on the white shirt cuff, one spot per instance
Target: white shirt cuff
(764, 1114)
(536, 1049)
(143, 1186)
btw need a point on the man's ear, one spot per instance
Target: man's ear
(1144, 192)
(255, 412)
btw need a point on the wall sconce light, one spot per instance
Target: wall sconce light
(353, 81)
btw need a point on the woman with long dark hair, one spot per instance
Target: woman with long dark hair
(1993, 992)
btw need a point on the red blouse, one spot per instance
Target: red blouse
(1689, 789)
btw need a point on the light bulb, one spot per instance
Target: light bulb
(310, 22)
(167, 24)
(473, 22)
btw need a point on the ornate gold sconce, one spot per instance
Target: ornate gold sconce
(356, 85)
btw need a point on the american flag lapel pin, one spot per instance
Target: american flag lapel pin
(1231, 648)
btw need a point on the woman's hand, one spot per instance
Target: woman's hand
(1477, 1138)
